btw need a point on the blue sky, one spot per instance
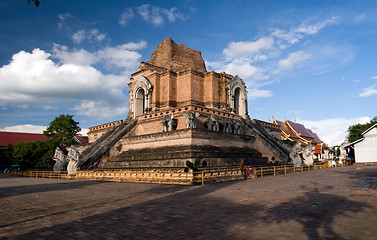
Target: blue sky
(313, 61)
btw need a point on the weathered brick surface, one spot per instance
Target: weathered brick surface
(336, 203)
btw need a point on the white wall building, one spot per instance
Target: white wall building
(366, 148)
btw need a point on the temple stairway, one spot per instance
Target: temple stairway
(276, 145)
(91, 156)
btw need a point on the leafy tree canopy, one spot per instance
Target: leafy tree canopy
(31, 155)
(355, 131)
(63, 129)
(36, 2)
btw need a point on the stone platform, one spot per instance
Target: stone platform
(173, 149)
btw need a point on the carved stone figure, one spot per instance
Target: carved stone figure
(237, 127)
(165, 123)
(295, 154)
(60, 160)
(73, 158)
(191, 119)
(169, 123)
(212, 123)
(228, 126)
(307, 154)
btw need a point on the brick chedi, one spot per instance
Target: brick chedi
(179, 110)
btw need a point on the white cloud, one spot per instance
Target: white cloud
(367, 92)
(258, 93)
(91, 108)
(259, 62)
(292, 60)
(375, 77)
(295, 34)
(172, 14)
(27, 128)
(245, 70)
(127, 15)
(79, 36)
(151, 14)
(91, 35)
(333, 131)
(243, 49)
(80, 57)
(35, 80)
(63, 18)
(122, 56)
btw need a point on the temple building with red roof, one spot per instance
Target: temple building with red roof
(12, 138)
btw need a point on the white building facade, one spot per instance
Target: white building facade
(366, 148)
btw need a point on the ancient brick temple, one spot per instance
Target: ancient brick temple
(179, 110)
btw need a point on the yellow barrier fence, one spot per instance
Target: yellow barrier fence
(175, 177)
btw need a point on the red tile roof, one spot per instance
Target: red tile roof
(12, 138)
(82, 139)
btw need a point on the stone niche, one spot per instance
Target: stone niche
(182, 111)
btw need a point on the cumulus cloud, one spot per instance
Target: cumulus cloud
(122, 56)
(245, 70)
(248, 48)
(259, 61)
(292, 60)
(333, 131)
(80, 57)
(36, 80)
(151, 14)
(29, 128)
(90, 35)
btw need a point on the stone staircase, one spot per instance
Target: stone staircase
(276, 145)
(91, 156)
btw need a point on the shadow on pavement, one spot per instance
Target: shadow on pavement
(314, 211)
(26, 189)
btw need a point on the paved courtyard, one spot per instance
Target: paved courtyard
(336, 203)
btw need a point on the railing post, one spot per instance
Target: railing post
(285, 169)
(202, 178)
(302, 167)
(308, 167)
(261, 172)
(294, 169)
(274, 171)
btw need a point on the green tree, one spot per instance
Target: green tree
(37, 154)
(36, 2)
(63, 129)
(355, 131)
(6, 156)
